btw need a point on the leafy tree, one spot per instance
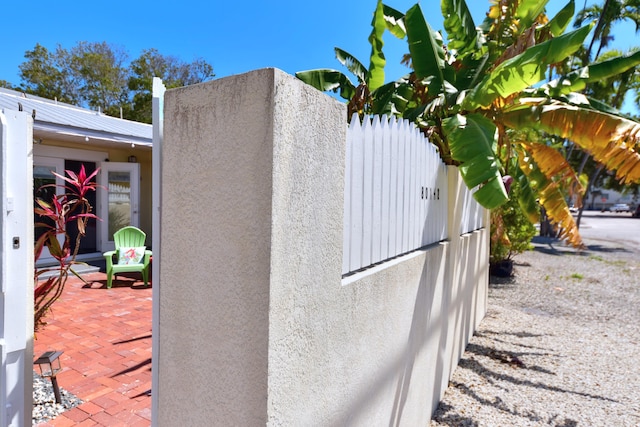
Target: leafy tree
(172, 71)
(99, 76)
(99, 71)
(6, 84)
(475, 95)
(608, 15)
(48, 74)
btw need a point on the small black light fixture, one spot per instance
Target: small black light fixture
(133, 159)
(49, 364)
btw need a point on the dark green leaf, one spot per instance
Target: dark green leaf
(471, 140)
(324, 80)
(425, 46)
(377, 60)
(524, 70)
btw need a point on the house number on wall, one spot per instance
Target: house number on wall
(430, 193)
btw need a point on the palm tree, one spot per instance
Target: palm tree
(612, 12)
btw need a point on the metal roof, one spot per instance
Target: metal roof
(68, 122)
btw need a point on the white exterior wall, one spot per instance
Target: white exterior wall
(256, 324)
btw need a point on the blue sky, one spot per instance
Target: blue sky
(233, 37)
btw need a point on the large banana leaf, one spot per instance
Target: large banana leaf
(558, 24)
(611, 140)
(324, 79)
(552, 198)
(524, 70)
(471, 140)
(578, 79)
(425, 46)
(551, 162)
(352, 64)
(528, 11)
(527, 199)
(377, 59)
(458, 23)
(395, 21)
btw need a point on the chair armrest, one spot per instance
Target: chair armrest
(109, 257)
(147, 256)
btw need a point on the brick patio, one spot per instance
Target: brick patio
(106, 338)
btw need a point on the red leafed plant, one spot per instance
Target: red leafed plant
(61, 210)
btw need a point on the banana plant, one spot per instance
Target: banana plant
(370, 95)
(476, 93)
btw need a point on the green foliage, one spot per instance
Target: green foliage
(476, 96)
(511, 230)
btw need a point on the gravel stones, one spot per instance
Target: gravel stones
(559, 345)
(45, 407)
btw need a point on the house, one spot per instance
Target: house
(66, 137)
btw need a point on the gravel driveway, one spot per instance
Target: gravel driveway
(560, 344)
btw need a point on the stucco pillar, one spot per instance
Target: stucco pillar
(251, 219)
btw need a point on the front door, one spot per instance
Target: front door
(119, 199)
(43, 181)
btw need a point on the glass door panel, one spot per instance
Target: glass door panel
(119, 199)
(119, 186)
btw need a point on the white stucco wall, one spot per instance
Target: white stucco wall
(256, 325)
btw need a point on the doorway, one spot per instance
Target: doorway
(120, 199)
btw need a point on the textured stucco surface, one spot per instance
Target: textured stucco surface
(215, 267)
(256, 324)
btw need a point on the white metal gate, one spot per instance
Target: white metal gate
(16, 269)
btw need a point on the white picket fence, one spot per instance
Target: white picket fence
(472, 214)
(396, 193)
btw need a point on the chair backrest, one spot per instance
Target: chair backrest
(129, 237)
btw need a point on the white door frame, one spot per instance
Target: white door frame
(104, 243)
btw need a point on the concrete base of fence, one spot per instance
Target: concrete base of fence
(256, 324)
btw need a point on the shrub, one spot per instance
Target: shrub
(511, 230)
(56, 214)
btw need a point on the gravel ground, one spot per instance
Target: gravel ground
(560, 344)
(45, 407)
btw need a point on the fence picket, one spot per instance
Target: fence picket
(396, 196)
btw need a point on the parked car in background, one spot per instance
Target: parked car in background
(620, 207)
(636, 213)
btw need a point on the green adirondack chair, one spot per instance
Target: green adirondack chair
(130, 255)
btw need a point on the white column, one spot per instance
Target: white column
(16, 270)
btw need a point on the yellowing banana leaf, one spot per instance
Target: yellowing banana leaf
(471, 140)
(551, 197)
(552, 163)
(611, 140)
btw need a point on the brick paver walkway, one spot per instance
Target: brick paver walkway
(106, 338)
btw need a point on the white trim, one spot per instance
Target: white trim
(158, 134)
